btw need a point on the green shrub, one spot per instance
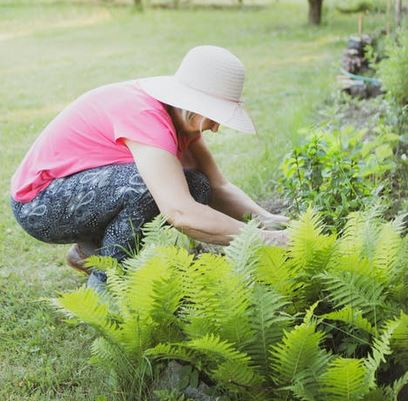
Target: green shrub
(393, 70)
(359, 6)
(339, 172)
(323, 320)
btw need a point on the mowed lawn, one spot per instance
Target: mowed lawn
(50, 54)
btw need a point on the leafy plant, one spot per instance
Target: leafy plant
(324, 320)
(393, 70)
(339, 172)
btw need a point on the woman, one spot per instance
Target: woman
(122, 153)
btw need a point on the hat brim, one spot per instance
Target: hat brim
(168, 90)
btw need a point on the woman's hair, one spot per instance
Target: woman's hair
(187, 116)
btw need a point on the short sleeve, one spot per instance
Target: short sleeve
(149, 127)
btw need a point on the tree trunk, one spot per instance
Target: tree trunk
(315, 11)
(138, 4)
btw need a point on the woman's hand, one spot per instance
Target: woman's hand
(277, 237)
(272, 221)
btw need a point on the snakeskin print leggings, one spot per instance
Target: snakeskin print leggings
(104, 207)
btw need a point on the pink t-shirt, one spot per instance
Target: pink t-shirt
(90, 133)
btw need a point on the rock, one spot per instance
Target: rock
(184, 380)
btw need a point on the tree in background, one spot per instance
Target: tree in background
(315, 11)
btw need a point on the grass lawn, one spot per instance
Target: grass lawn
(50, 54)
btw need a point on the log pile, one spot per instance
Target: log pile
(354, 57)
(354, 66)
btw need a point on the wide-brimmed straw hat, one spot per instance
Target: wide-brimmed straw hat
(209, 82)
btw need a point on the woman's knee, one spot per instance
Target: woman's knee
(199, 186)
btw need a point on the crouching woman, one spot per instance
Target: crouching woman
(122, 153)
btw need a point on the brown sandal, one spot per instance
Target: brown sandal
(76, 258)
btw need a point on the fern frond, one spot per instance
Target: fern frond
(216, 349)
(398, 385)
(242, 250)
(153, 231)
(170, 351)
(105, 263)
(399, 342)
(157, 233)
(309, 248)
(399, 223)
(218, 301)
(167, 299)
(116, 285)
(137, 302)
(268, 321)
(386, 252)
(85, 305)
(351, 316)
(344, 379)
(301, 391)
(310, 315)
(234, 375)
(398, 287)
(360, 234)
(273, 269)
(138, 260)
(107, 354)
(379, 394)
(356, 290)
(380, 349)
(231, 367)
(299, 355)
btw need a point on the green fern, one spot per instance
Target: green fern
(106, 354)
(218, 301)
(307, 240)
(360, 234)
(379, 394)
(158, 233)
(399, 343)
(268, 321)
(344, 380)
(274, 270)
(242, 252)
(231, 317)
(299, 356)
(345, 288)
(105, 263)
(172, 351)
(138, 302)
(168, 295)
(398, 385)
(386, 252)
(85, 305)
(351, 316)
(380, 349)
(231, 368)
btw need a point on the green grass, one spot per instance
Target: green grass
(50, 54)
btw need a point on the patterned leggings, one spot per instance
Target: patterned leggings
(104, 207)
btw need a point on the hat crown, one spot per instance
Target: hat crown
(214, 71)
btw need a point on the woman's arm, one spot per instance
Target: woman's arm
(226, 197)
(164, 177)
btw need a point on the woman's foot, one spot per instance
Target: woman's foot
(97, 280)
(77, 254)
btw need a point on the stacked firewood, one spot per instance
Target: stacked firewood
(354, 66)
(354, 58)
